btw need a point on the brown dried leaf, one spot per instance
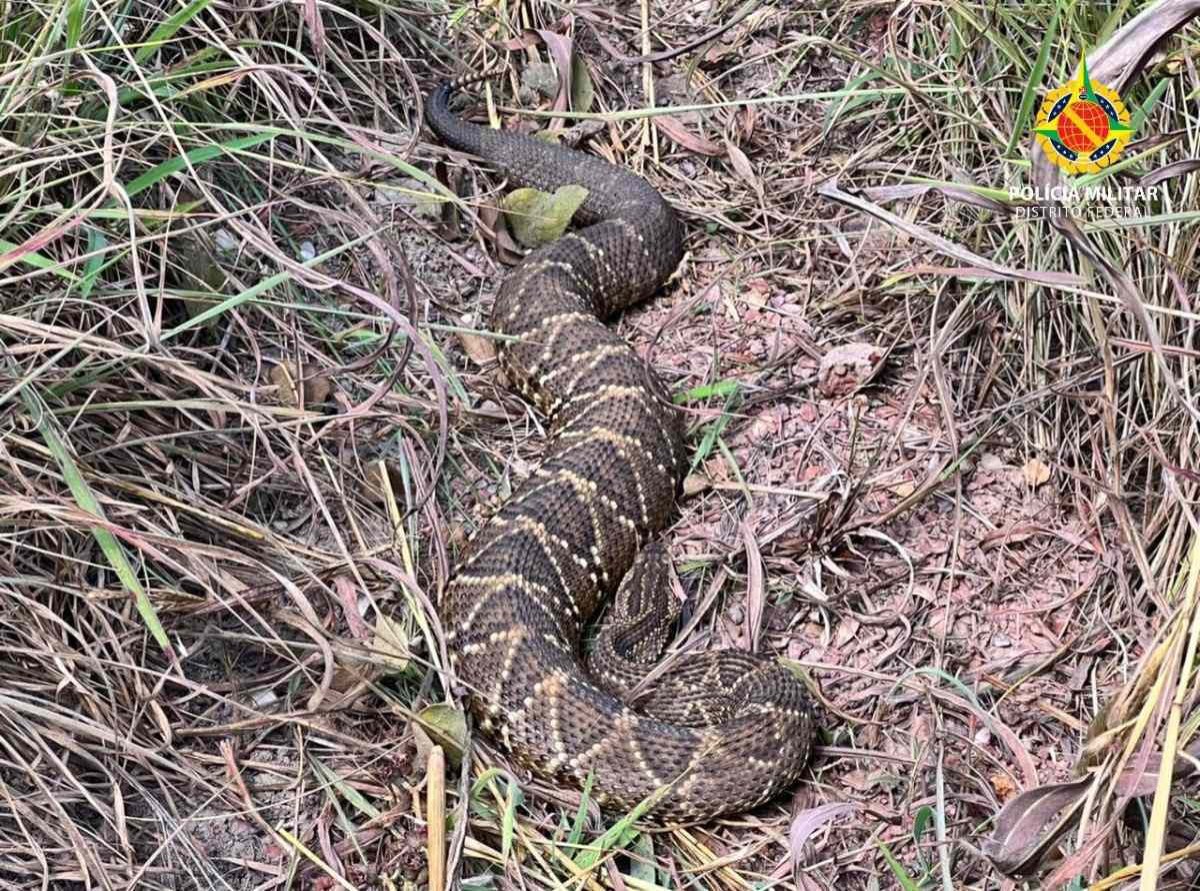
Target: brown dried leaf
(1035, 472)
(1029, 826)
(944, 245)
(807, 822)
(479, 349)
(741, 164)
(1003, 785)
(1169, 171)
(390, 644)
(846, 368)
(562, 50)
(677, 132)
(375, 475)
(755, 587)
(305, 387)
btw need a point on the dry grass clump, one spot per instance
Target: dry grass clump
(247, 417)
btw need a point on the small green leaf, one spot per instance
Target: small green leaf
(95, 263)
(508, 822)
(582, 91)
(537, 218)
(581, 814)
(921, 822)
(641, 866)
(1139, 116)
(446, 726)
(352, 795)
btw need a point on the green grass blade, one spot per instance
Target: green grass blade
(86, 499)
(75, 13)
(95, 263)
(167, 29)
(36, 260)
(194, 156)
(906, 881)
(581, 814)
(1139, 116)
(1032, 85)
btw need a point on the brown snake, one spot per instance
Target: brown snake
(720, 731)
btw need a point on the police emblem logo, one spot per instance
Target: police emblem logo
(1084, 126)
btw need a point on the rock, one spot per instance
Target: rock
(847, 367)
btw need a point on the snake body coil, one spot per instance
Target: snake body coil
(724, 730)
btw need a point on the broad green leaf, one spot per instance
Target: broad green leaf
(537, 218)
(446, 726)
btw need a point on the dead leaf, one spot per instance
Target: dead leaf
(390, 644)
(1030, 825)
(906, 191)
(377, 472)
(944, 245)
(479, 349)
(507, 250)
(1169, 171)
(757, 292)
(807, 822)
(348, 596)
(1003, 785)
(1035, 472)
(304, 387)
(678, 133)
(755, 587)
(741, 164)
(1027, 829)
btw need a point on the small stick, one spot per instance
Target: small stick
(435, 816)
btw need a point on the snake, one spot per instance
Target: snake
(558, 687)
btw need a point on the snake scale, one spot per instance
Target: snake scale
(721, 731)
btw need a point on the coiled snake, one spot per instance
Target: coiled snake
(723, 731)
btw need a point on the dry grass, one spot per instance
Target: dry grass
(246, 419)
